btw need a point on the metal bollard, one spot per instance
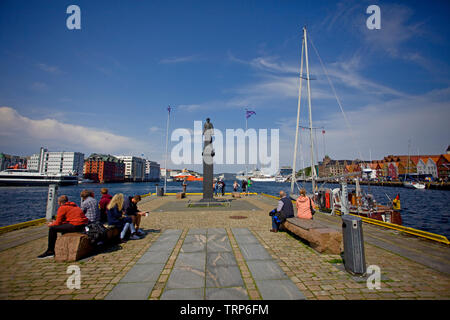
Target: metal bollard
(51, 201)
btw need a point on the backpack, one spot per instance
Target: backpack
(96, 232)
(311, 207)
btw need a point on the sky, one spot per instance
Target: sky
(105, 88)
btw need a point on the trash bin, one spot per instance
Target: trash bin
(354, 257)
(159, 191)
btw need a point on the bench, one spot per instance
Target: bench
(181, 195)
(320, 237)
(74, 246)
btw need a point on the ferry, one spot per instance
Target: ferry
(24, 177)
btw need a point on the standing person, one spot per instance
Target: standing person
(304, 205)
(131, 210)
(244, 185)
(90, 206)
(283, 211)
(222, 187)
(216, 188)
(69, 218)
(105, 199)
(184, 185)
(114, 211)
(235, 186)
(249, 184)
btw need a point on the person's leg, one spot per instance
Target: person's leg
(124, 230)
(275, 225)
(137, 221)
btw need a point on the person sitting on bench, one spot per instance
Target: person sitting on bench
(283, 211)
(131, 210)
(69, 218)
(115, 211)
(304, 205)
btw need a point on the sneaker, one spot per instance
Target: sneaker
(134, 237)
(140, 232)
(46, 254)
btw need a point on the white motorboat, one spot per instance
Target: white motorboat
(413, 185)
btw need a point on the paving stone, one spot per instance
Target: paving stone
(154, 257)
(266, 270)
(186, 278)
(246, 239)
(143, 273)
(254, 252)
(238, 293)
(183, 294)
(195, 238)
(192, 259)
(131, 291)
(211, 231)
(196, 231)
(216, 259)
(279, 290)
(225, 276)
(193, 247)
(241, 231)
(219, 245)
(162, 246)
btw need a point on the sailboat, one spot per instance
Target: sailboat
(331, 200)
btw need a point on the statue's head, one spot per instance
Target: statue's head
(207, 119)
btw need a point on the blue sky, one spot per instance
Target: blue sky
(105, 88)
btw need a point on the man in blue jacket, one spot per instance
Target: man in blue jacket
(284, 210)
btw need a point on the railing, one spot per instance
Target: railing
(416, 232)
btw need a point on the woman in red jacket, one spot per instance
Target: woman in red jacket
(69, 218)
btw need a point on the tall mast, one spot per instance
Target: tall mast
(293, 176)
(167, 144)
(313, 168)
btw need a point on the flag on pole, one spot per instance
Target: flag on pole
(249, 113)
(169, 109)
(323, 131)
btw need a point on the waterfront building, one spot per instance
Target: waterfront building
(104, 168)
(134, 168)
(152, 170)
(7, 161)
(443, 166)
(51, 162)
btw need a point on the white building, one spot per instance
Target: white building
(57, 162)
(134, 168)
(152, 170)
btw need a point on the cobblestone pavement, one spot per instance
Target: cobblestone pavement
(317, 276)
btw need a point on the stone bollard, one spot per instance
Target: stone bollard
(51, 202)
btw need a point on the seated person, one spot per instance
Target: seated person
(90, 206)
(115, 211)
(131, 210)
(69, 218)
(283, 211)
(304, 205)
(106, 198)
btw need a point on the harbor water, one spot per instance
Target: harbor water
(426, 210)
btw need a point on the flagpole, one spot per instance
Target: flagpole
(167, 144)
(246, 129)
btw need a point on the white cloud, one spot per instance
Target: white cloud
(48, 68)
(173, 60)
(22, 134)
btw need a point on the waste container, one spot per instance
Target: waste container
(159, 191)
(354, 257)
